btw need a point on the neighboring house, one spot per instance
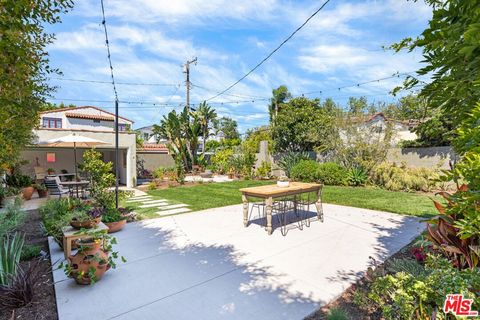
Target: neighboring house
(88, 121)
(148, 136)
(378, 124)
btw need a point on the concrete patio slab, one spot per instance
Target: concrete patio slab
(139, 199)
(148, 201)
(206, 265)
(173, 206)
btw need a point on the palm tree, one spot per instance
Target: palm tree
(205, 116)
(279, 97)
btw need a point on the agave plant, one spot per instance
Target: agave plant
(445, 230)
(357, 177)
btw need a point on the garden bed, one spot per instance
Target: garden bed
(44, 305)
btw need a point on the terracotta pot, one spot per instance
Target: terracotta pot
(88, 224)
(42, 193)
(115, 226)
(81, 263)
(27, 193)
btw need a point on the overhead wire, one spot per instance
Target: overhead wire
(118, 83)
(104, 23)
(271, 53)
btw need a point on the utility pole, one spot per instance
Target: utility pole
(187, 82)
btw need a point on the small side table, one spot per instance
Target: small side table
(70, 234)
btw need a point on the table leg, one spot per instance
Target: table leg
(245, 210)
(268, 213)
(67, 247)
(318, 204)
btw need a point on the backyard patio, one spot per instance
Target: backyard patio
(207, 264)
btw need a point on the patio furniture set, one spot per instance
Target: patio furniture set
(290, 205)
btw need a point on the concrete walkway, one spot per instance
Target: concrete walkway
(206, 265)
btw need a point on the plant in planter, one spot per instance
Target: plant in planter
(50, 171)
(20, 181)
(94, 257)
(114, 219)
(283, 182)
(86, 217)
(128, 213)
(41, 190)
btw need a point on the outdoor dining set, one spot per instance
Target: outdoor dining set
(289, 204)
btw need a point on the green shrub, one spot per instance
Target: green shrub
(330, 173)
(357, 177)
(305, 171)
(402, 178)
(264, 170)
(152, 185)
(407, 296)
(337, 314)
(30, 251)
(221, 160)
(11, 218)
(290, 159)
(56, 214)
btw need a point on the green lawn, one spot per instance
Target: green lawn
(212, 195)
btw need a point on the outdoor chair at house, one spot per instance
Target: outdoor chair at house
(284, 209)
(40, 173)
(55, 188)
(260, 206)
(303, 204)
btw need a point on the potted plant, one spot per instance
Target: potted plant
(128, 213)
(50, 171)
(114, 219)
(86, 218)
(93, 258)
(283, 182)
(231, 173)
(41, 190)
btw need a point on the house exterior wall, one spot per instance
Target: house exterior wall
(64, 156)
(85, 124)
(378, 126)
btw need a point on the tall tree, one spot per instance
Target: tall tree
(205, 116)
(303, 125)
(279, 97)
(24, 66)
(357, 106)
(228, 126)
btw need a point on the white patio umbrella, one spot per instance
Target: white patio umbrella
(73, 140)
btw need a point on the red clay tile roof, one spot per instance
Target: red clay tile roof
(83, 107)
(154, 147)
(89, 116)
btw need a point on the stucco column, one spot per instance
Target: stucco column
(131, 168)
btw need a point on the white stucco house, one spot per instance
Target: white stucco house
(378, 124)
(88, 121)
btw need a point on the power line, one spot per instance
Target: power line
(271, 53)
(121, 83)
(104, 23)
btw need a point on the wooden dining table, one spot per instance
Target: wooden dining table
(270, 192)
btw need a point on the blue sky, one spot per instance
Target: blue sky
(151, 39)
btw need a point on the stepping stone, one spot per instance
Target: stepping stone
(148, 201)
(173, 211)
(173, 206)
(140, 200)
(140, 197)
(153, 205)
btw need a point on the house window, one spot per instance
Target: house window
(50, 157)
(123, 127)
(52, 122)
